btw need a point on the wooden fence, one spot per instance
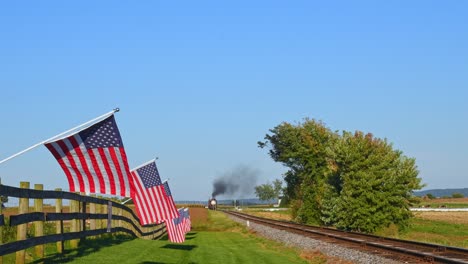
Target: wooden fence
(86, 216)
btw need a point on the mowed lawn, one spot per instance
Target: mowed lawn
(215, 239)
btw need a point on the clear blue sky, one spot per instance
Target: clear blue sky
(200, 82)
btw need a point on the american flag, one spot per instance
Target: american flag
(150, 197)
(175, 229)
(170, 200)
(94, 159)
(187, 221)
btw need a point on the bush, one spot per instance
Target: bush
(457, 195)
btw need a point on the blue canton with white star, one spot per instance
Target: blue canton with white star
(149, 175)
(104, 134)
(166, 188)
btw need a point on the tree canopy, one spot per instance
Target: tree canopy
(353, 181)
(268, 190)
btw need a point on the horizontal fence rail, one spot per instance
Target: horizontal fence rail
(87, 216)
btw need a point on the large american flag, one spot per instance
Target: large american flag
(152, 202)
(175, 228)
(94, 160)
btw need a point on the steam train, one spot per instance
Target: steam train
(212, 204)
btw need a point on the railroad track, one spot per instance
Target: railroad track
(397, 249)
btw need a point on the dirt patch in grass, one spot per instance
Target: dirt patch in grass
(449, 217)
(198, 214)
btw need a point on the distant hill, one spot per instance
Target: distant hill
(442, 192)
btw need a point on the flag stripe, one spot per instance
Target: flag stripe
(97, 169)
(121, 170)
(97, 153)
(71, 154)
(104, 161)
(175, 229)
(58, 157)
(72, 163)
(89, 166)
(84, 170)
(141, 201)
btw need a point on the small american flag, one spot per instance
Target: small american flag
(175, 229)
(150, 197)
(170, 200)
(94, 159)
(187, 221)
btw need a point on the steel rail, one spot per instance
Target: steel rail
(419, 251)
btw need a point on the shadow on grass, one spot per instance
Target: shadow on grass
(191, 234)
(180, 247)
(85, 248)
(153, 262)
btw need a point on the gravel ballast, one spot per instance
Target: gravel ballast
(306, 243)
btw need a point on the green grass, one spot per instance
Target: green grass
(219, 241)
(437, 232)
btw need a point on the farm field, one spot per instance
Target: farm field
(445, 202)
(214, 239)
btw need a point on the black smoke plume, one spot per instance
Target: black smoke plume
(239, 181)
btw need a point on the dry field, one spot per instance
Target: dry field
(271, 215)
(198, 215)
(449, 200)
(449, 217)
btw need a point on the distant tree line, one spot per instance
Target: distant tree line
(454, 195)
(353, 181)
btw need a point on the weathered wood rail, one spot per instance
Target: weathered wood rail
(87, 216)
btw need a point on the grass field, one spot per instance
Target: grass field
(214, 239)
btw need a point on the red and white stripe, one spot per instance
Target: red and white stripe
(99, 170)
(152, 204)
(175, 232)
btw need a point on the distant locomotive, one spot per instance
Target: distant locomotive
(212, 204)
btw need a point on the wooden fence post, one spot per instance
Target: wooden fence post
(92, 210)
(39, 225)
(22, 229)
(98, 211)
(59, 224)
(75, 223)
(104, 211)
(83, 222)
(109, 217)
(120, 222)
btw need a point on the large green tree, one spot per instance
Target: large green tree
(353, 181)
(302, 148)
(370, 185)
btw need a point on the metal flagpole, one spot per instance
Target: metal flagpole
(144, 164)
(126, 201)
(61, 134)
